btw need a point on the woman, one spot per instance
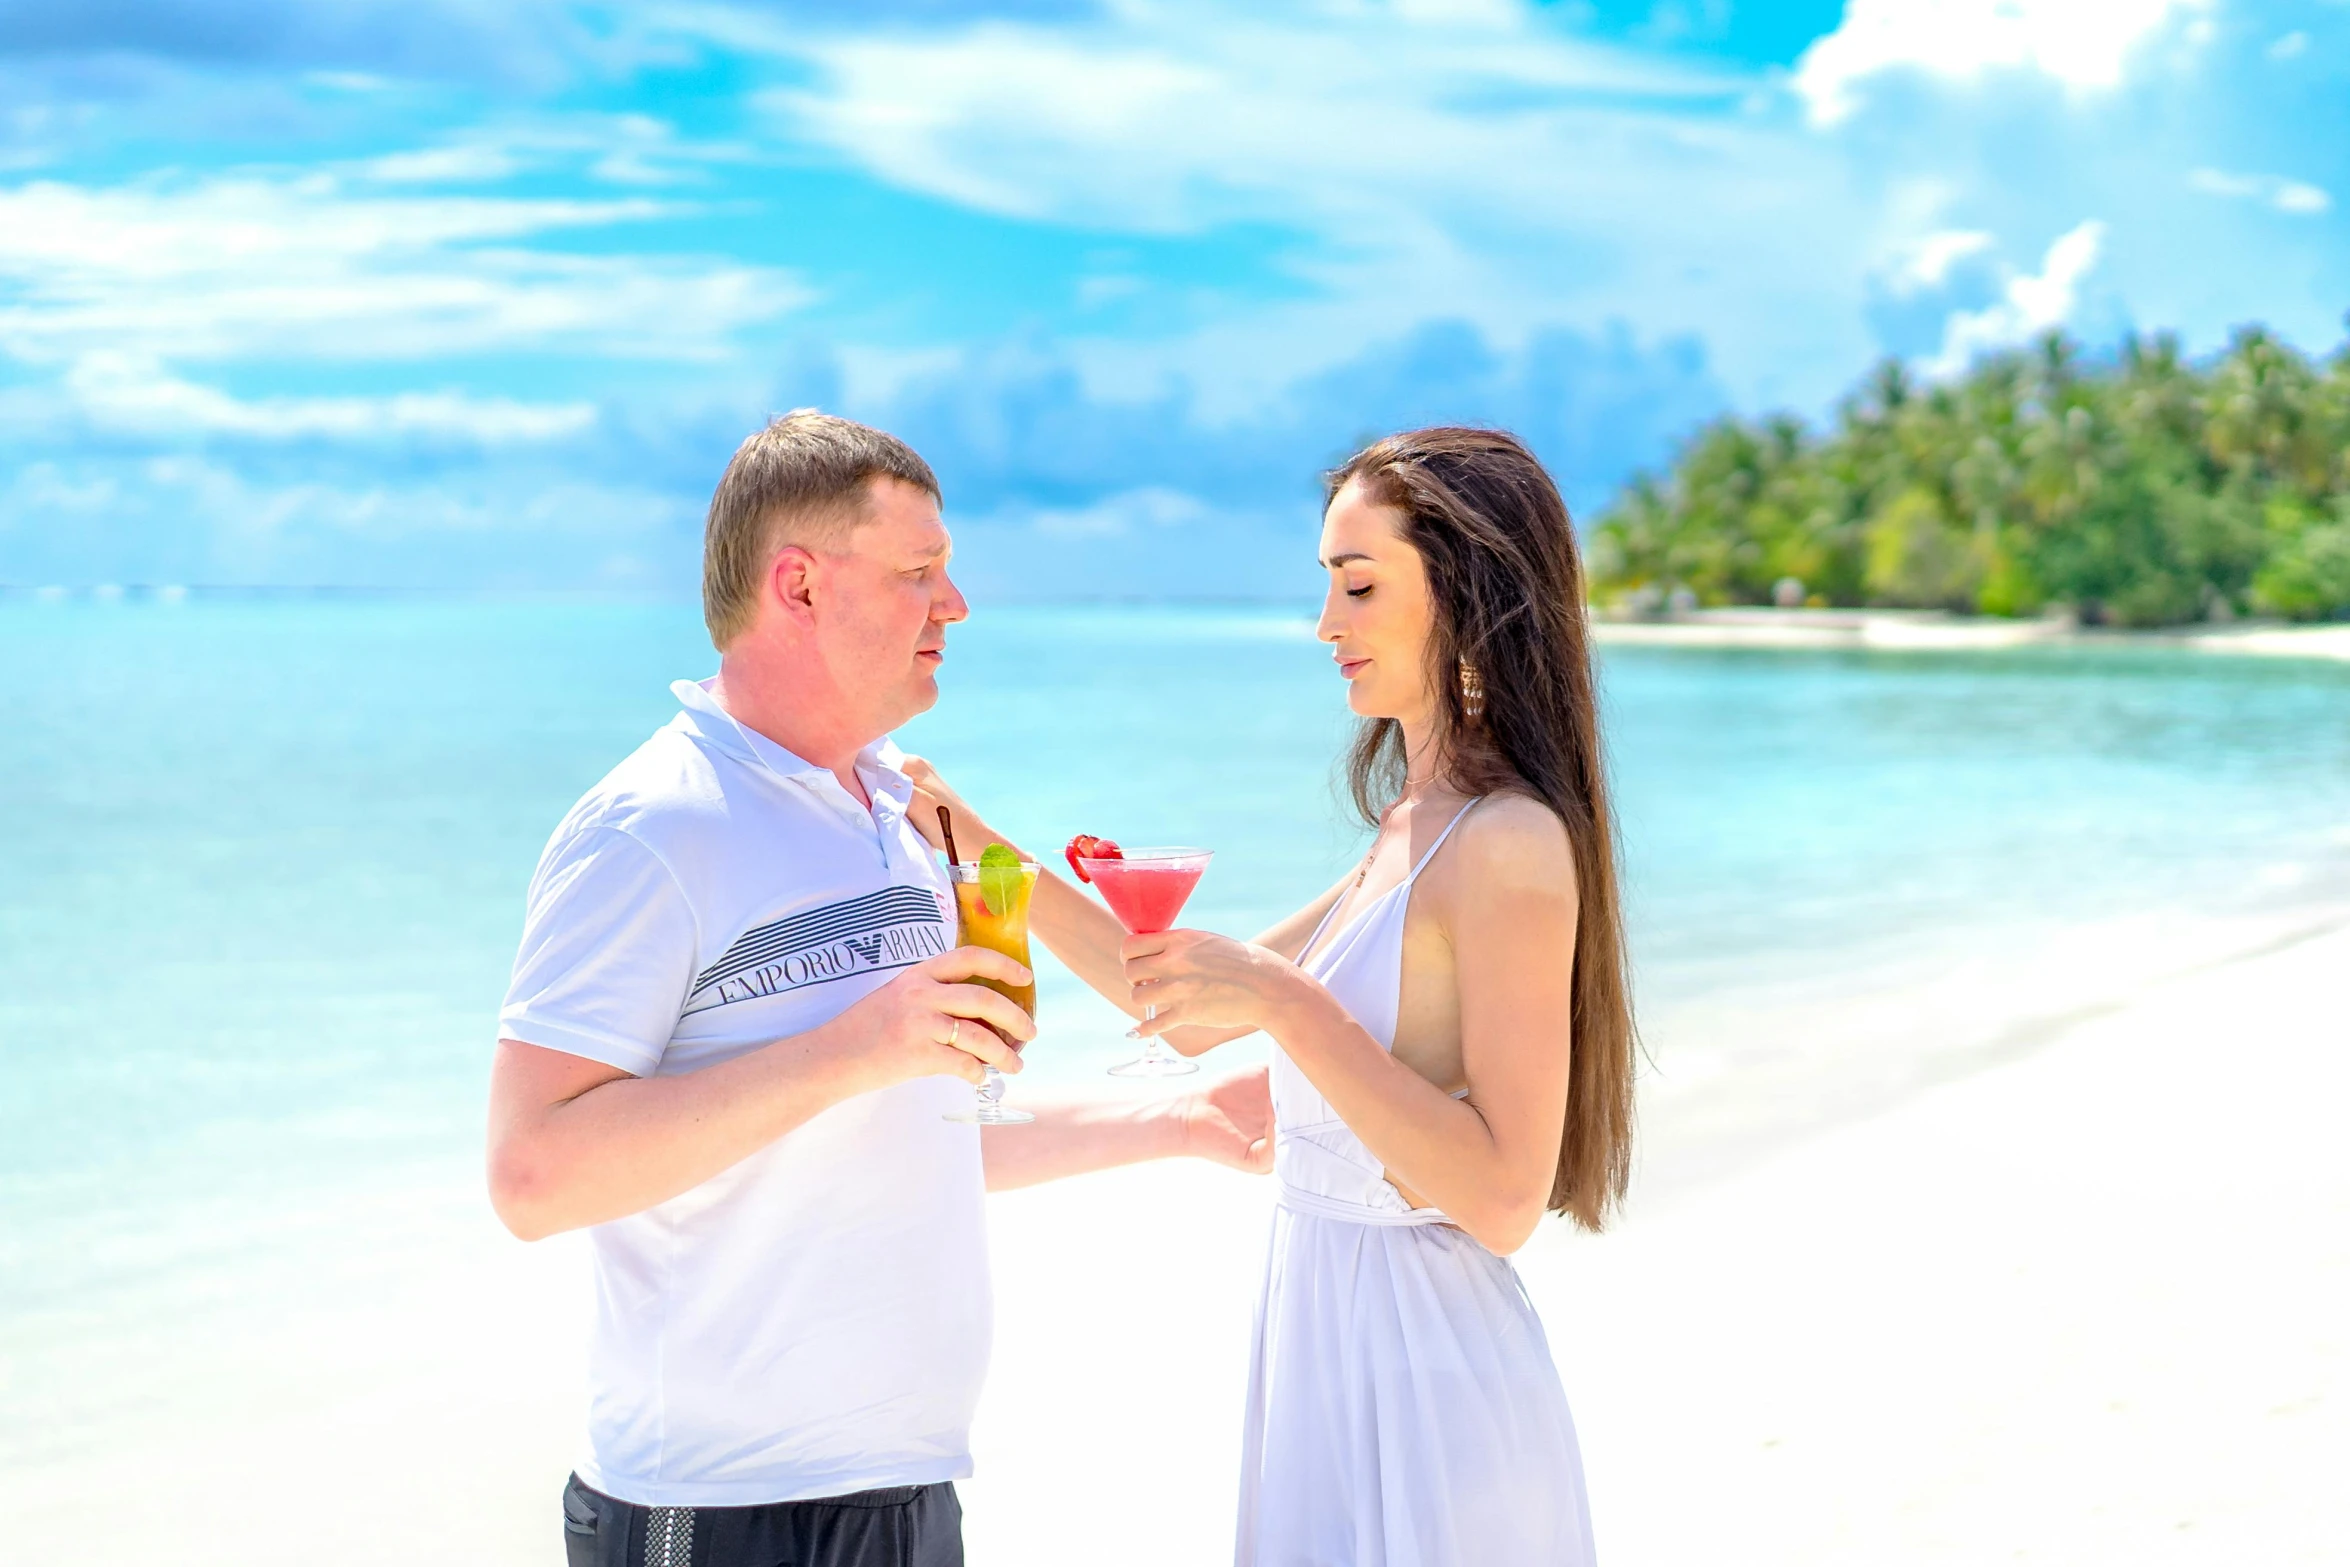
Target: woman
(1452, 1029)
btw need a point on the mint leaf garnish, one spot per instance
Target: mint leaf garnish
(1000, 875)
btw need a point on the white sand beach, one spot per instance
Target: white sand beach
(2085, 1303)
(1913, 630)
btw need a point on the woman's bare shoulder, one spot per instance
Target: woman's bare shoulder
(1512, 841)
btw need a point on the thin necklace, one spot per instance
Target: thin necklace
(1370, 853)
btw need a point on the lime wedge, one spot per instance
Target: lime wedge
(1000, 874)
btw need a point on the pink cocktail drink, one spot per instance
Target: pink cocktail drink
(1147, 895)
(1146, 889)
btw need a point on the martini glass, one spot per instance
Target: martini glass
(1005, 932)
(1146, 890)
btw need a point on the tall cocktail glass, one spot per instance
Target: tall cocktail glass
(1146, 889)
(1003, 929)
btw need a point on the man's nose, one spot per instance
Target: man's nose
(951, 605)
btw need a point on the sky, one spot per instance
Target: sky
(449, 293)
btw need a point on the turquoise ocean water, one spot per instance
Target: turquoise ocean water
(262, 859)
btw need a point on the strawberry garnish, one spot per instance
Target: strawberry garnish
(1085, 846)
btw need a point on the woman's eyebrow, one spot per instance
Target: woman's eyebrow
(1336, 561)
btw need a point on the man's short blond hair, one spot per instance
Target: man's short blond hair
(805, 479)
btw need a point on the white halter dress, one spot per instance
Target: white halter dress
(1403, 1410)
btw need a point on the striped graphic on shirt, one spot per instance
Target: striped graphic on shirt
(896, 927)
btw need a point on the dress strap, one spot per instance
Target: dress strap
(1440, 837)
(1331, 912)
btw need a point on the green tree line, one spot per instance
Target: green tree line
(2142, 489)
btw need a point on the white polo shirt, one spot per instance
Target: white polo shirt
(814, 1321)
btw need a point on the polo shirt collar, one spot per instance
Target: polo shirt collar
(881, 763)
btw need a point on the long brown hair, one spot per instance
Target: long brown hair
(1507, 585)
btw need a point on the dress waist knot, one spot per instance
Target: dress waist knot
(1323, 1206)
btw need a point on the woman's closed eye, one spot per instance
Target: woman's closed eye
(1362, 592)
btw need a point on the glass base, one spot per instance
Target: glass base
(1156, 1064)
(991, 1115)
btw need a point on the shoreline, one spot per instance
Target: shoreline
(1744, 626)
(1905, 630)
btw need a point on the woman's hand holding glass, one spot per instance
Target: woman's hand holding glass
(1196, 979)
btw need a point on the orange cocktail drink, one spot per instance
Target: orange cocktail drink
(1005, 931)
(991, 911)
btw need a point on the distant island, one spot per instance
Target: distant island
(2139, 490)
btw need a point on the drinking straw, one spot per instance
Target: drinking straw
(946, 825)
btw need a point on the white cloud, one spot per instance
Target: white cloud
(1455, 12)
(618, 149)
(302, 267)
(1166, 120)
(1499, 168)
(2272, 190)
(1113, 515)
(2083, 44)
(132, 394)
(1103, 288)
(193, 518)
(1927, 262)
(2031, 303)
(463, 163)
(349, 81)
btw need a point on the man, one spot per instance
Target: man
(737, 1023)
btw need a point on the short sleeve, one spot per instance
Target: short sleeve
(607, 957)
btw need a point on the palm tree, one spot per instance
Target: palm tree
(2140, 487)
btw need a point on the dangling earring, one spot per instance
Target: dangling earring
(1472, 692)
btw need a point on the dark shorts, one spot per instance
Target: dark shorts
(904, 1526)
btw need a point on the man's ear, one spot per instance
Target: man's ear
(791, 582)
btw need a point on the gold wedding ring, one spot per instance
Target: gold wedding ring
(954, 1033)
